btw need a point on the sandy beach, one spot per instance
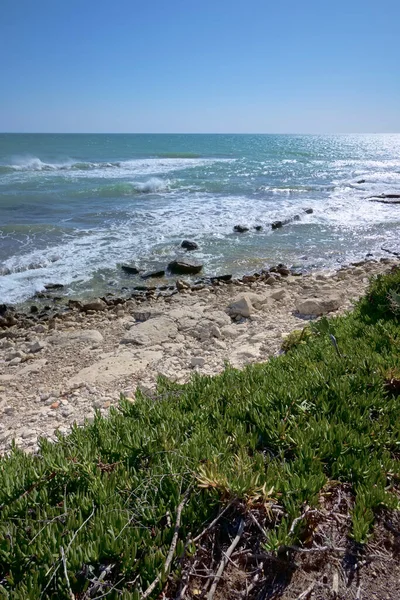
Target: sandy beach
(58, 372)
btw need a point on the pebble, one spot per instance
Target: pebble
(197, 361)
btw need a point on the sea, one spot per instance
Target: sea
(74, 208)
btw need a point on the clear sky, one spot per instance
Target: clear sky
(207, 66)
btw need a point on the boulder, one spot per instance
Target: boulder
(361, 181)
(258, 227)
(130, 269)
(97, 305)
(183, 267)
(240, 228)
(242, 307)
(188, 245)
(308, 211)
(318, 306)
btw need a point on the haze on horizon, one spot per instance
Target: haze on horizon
(220, 66)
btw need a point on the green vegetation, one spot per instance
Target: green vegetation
(101, 504)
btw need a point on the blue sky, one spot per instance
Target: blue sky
(210, 66)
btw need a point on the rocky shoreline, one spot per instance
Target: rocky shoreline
(59, 365)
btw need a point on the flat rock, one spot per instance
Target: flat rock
(63, 338)
(152, 332)
(183, 267)
(318, 306)
(116, 367)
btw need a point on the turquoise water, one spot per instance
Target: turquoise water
(74, 207)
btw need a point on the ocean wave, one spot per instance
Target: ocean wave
(142, 166)
(151, 186)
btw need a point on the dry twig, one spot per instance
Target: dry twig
(64, 562)
(171, 552)
(225, 559)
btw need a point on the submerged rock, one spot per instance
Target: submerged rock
(183, 267)
(151, 274)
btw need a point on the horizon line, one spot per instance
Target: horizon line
(195, 133)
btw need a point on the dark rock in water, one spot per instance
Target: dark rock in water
(140, 288)
(3, 309)
(369, 254)
(240, 228)
(361, 181)
(386, 198)
(277, 224)
(183, 267)
(219, 278)
(281, 223)
(188, 245)
(153, 274)
(34, 308)
(258, 227)
(53, 286)
(130, 270)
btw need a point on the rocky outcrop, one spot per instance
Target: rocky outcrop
(183, 267)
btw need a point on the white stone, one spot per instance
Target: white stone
(242, 307)
(152, 332)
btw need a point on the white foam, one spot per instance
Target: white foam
(151, 186)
